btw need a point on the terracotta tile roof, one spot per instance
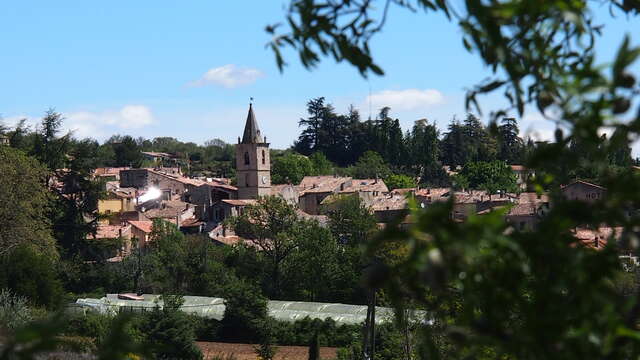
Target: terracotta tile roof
(583, 183)
(216, 184)
(168, 209)
(238, 202)
(518, 168)
(358, 185)
(531, 197)
(191, 222)
(389, 202)
(404, 191)
(434, 192)
(126, 193)
(109, 171)
(524, 209)
(321, 184)
(144, 226)
(322, 219)
(597, 238)
(110, 231)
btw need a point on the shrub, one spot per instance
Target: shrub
(14, 311)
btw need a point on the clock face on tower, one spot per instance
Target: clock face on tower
(264, 179)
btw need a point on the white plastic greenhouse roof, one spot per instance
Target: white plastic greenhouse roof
(213, 308)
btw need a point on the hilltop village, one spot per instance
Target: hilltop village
(138, 196)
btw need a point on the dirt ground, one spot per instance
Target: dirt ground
(247, 352)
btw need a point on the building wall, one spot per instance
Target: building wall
(141, 236)
(109, 206)
(310, 202)
(583, 192)
(523, 222)
(136, 178)
(254, 178)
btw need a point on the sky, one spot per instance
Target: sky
(188, 69)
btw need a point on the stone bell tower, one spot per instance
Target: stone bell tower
(253, 166)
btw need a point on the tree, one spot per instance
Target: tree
(311, 272)
(271, 226)
(169, 331)
(310, 139)
(370, 165)
(399, 182)
(291, 168)
(490, 176)
(245, 314)
(538, 59)
(314, 347)
(127, 151)
(321, 165)
(168, 257)
(351, 221)
(24, 202)
(31, 274)
(49, 148)
(510, 145)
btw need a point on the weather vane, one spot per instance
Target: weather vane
(251, 100)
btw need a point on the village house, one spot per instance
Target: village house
(141, 231)
(109, 173)
(583, 191)
(523, 175)
(118, 201)
(4, 140)
(145, 177)
(120, 232)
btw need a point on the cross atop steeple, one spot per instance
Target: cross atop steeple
(251, 133)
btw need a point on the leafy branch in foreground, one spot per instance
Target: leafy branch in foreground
(491, 290)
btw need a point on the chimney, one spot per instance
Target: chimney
(342, 187)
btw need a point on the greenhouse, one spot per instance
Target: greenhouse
(213, 308)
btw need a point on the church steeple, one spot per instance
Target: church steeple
(253, 166)
(251, 133)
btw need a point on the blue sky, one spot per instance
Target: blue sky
(188, 69)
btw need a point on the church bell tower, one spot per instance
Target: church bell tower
(253, 166)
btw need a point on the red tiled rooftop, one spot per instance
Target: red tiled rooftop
(145, 226)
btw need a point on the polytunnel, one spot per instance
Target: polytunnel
(213, 308)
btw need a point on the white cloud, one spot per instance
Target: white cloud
(128, 117)
(409, 99)
(229, 76)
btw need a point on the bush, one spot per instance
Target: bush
(32, 275)
(14, 311)
(245, 315)
(170, 332)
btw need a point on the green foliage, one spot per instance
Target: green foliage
(370, 166)
(321, 165)
(24, 202)
(245, 316)
(489, 289)
(291, 168)
(399, 182)
(351, 221)
(271, 225)
(314, 348)
(32, 275)
(170, 333)
(490, 176)
(14, 310)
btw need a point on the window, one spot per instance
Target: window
(246, 180)
(246, 158)
(263, 157)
